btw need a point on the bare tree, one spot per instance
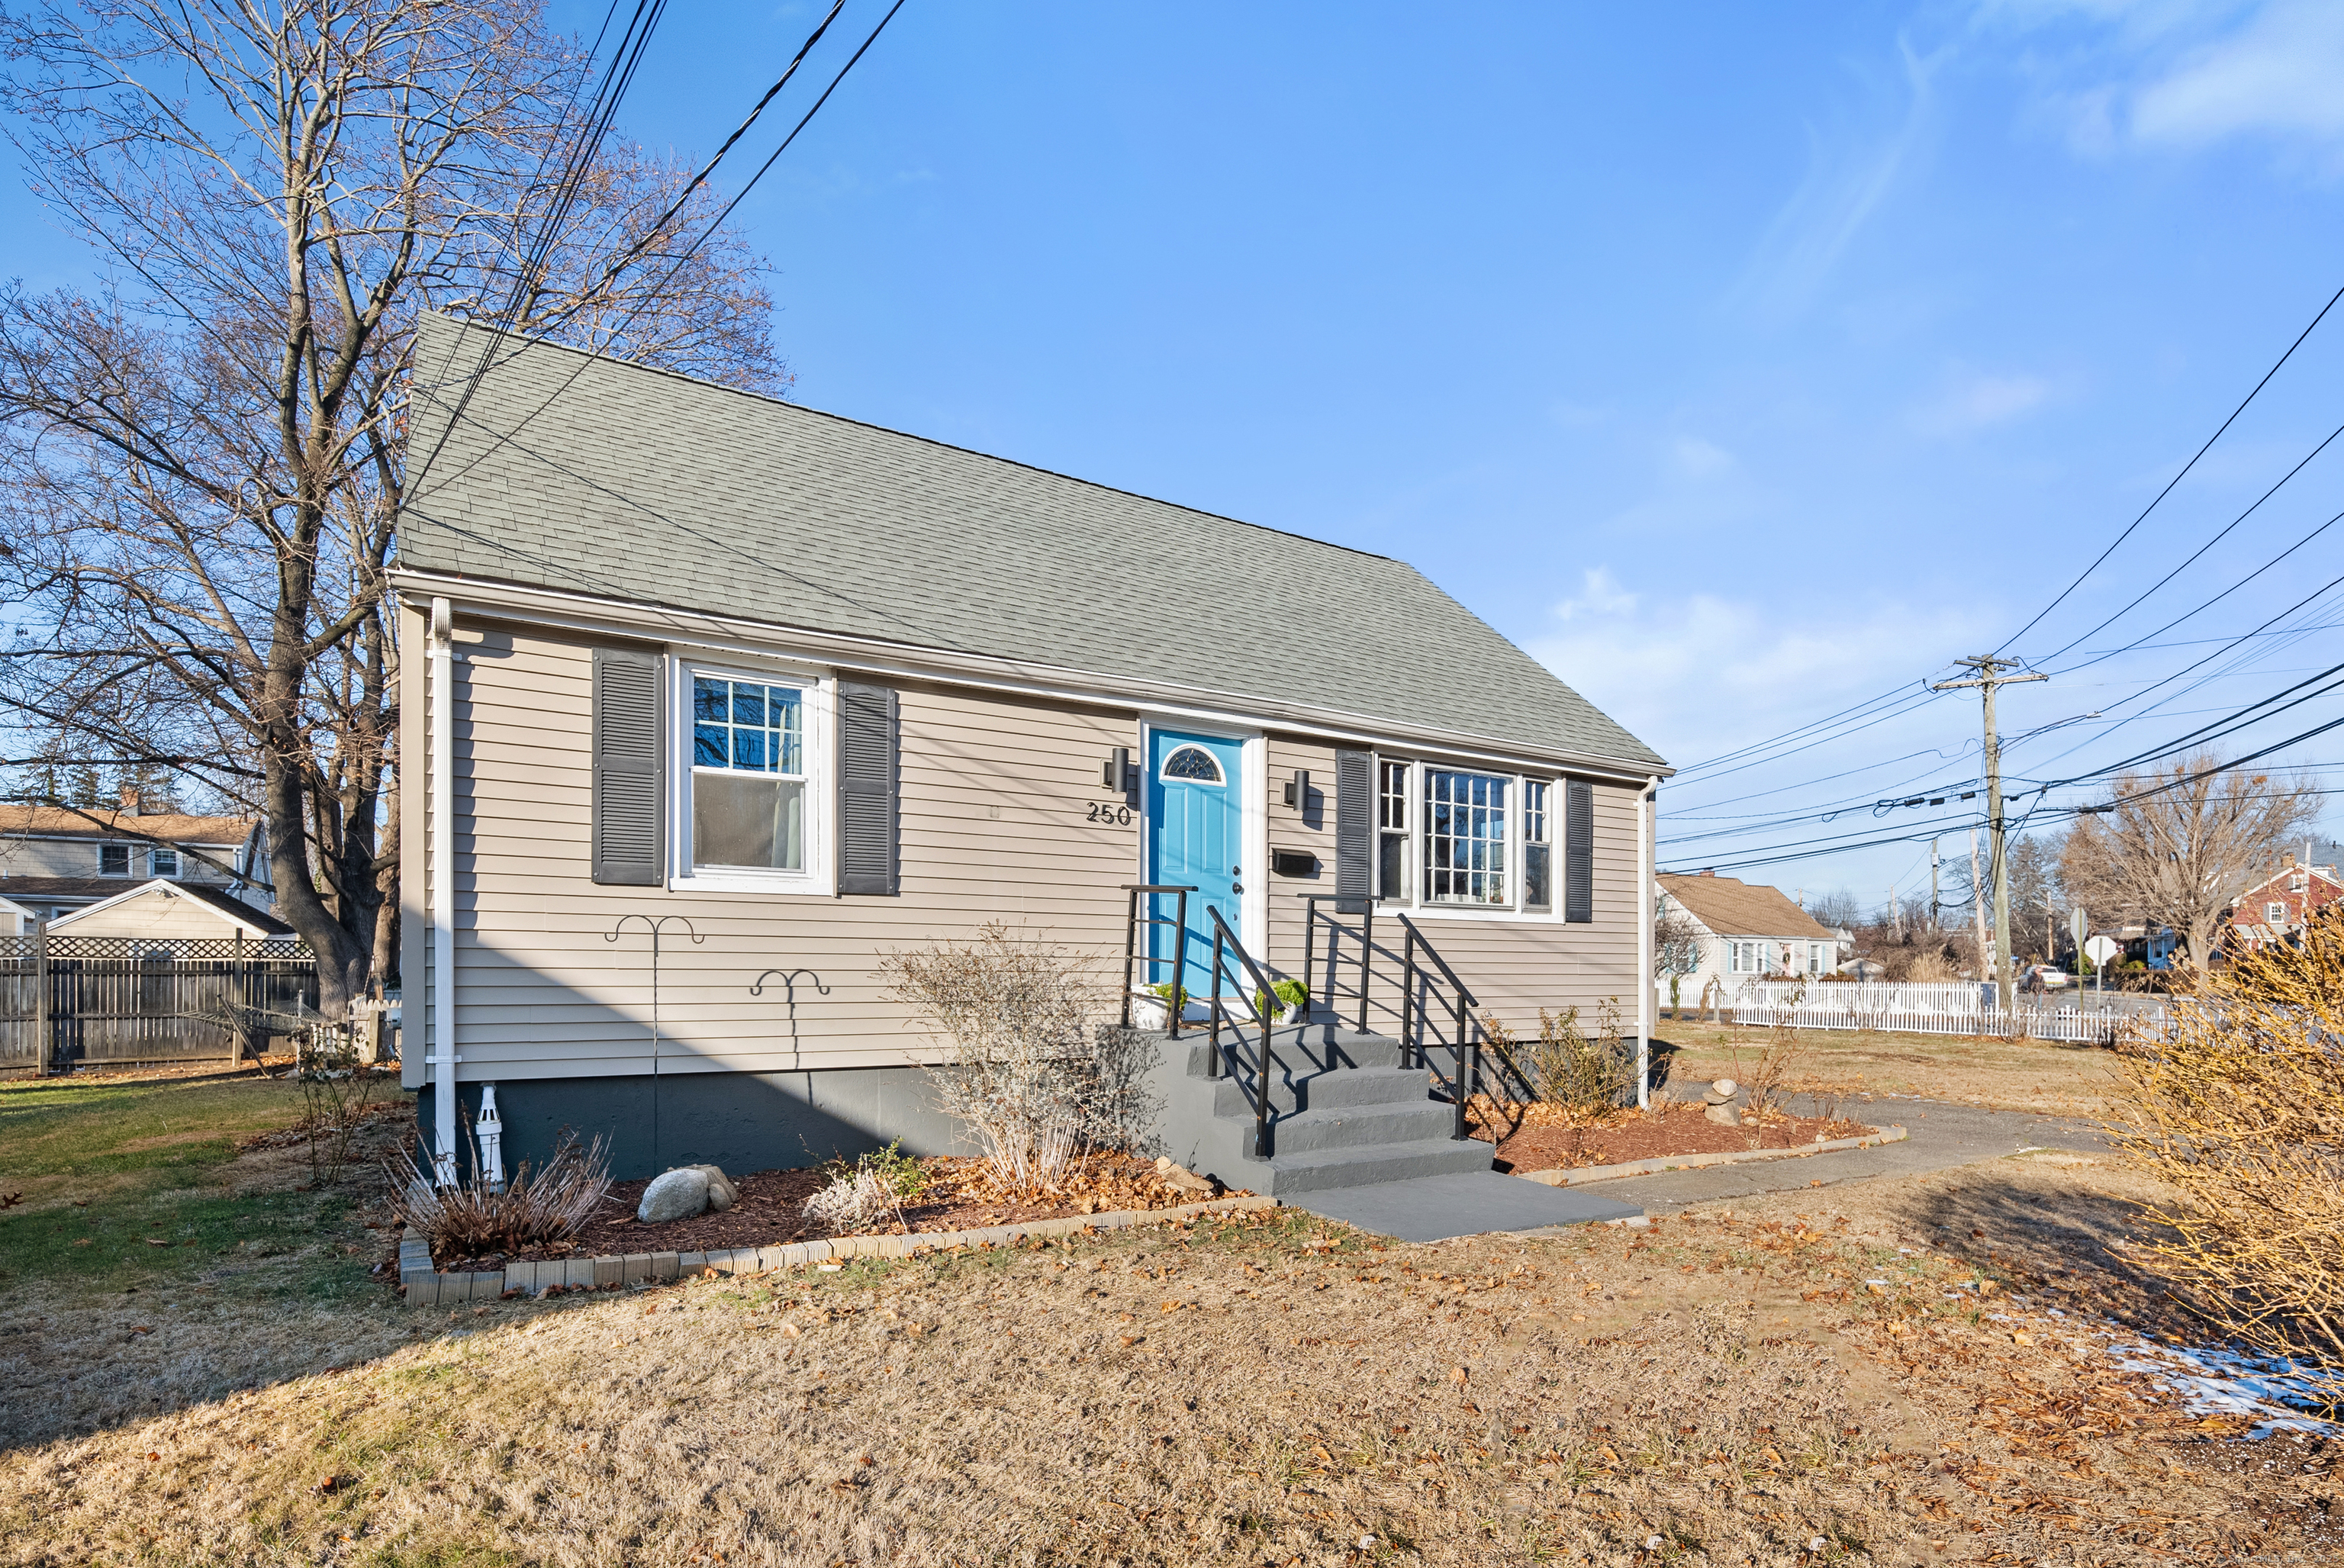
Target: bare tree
(2171, 847)
(202, 458)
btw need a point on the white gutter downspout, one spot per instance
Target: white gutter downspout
(440, 669)
(1645, 806)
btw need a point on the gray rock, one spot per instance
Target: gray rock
(721, 1192)
(677, 1195)
(1726, 1115)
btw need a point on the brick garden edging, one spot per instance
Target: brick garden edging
(1893, 1133)
(425, 1286)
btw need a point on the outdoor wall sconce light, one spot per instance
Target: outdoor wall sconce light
(1298, 789)
(1117, 774)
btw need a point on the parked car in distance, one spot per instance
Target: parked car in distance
(2042, 977)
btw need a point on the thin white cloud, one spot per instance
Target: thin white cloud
(2161, 76)
(1976, 402)
(1849, 174)
(1696, 674)
(1694, 457)
(2283, 73)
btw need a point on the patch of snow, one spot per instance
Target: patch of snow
(2214, 1381)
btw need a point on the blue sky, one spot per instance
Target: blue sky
(1742, 362)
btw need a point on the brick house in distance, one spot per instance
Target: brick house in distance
(2274, 908)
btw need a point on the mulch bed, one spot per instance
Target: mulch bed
(770, 1212)
(1546, 1139)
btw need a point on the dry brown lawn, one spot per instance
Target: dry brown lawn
(1718, 1388)
(2002, 1075)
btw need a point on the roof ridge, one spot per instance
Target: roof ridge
(463, 324)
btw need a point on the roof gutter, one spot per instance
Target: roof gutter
(721, 633)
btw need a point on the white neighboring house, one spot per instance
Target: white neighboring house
(162, 912)
(1742, 932)
(15, 920)
(55, 860)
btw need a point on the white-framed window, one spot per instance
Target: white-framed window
(1746, 957)
(2275, 913)
(1392, 823)
(161, 863)
(1814, 957)
(114, 860)
(1464, 837)
(2299, 881)
(1537, 847)
(750, 751)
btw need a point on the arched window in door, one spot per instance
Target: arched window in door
(1194, 764)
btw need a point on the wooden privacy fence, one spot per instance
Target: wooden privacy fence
(68, 1001)
(1941, 1007)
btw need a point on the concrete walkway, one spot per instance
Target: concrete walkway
(1436, 1208)
(1943, 1135)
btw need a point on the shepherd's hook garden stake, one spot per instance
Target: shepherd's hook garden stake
(655, 927)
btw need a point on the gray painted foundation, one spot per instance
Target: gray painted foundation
(742, 1121)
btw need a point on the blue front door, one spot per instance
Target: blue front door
(1196, 822)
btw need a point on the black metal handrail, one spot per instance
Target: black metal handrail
(1310, 902)
(1417, 982)
(1132, 922)
(1260, 1003)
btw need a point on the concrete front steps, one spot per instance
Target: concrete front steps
(1345, 1113)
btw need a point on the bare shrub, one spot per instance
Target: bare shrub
(1028, 1072)
(861, 1195)
(2237, 1104)
(1770, 1072)
(473, 1217)
(336, 1088)
(856, 1200)
(1589, 1077)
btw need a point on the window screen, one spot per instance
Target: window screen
(114, 860)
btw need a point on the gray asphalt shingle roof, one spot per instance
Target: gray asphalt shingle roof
(588, 475)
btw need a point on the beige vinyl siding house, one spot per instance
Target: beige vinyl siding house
(57, 859)
(801, 693)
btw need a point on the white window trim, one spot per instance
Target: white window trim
(1418, 907)
(819, 878)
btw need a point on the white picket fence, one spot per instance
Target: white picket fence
(1957, 1008)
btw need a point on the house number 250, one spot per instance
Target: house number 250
(1111, 816)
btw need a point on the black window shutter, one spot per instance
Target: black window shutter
(1355, 800)
(626, 767)
(1578, 850)
(867, 758)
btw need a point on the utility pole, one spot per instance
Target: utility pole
(1989, 674)
(1932, 886)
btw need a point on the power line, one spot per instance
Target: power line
(2176, 479)
(500, 439)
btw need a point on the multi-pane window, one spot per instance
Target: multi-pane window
(161, 863)
(1391, 830)
(1537, 848)
(1464, 837)
(114, 860)
(2299, 881)
(2276, 914)
(748, 775)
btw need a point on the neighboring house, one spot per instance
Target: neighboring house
(171, 912)
(15, 919)
(812, 692)
(56, 859)
(2275, 907)
(1746, 933)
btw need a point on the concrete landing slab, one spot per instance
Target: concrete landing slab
(1435, 1207)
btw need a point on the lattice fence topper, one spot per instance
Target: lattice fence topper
(163, 949)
